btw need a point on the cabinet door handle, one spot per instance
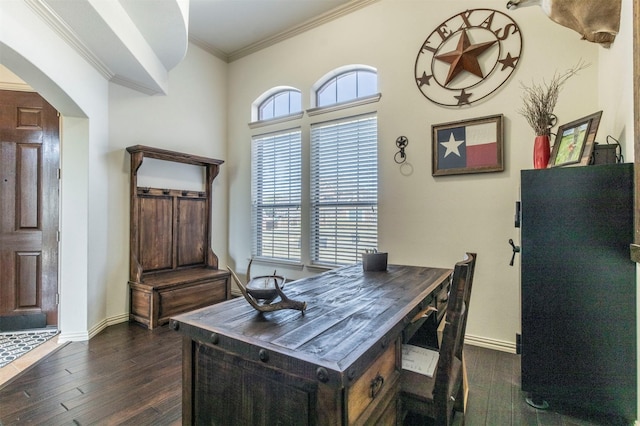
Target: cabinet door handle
(516, 249)
(376, 385)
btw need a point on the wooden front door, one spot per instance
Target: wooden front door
(29, 162)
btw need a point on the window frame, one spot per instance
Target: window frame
(339, 111)
(316, 205)
(258, 205)
(271, 94)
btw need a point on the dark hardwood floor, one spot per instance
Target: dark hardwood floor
(124, 375)
(130, 375)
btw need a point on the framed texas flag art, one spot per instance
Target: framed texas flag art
(468, 146)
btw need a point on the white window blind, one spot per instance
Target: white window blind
(276, 195)
(344, 189)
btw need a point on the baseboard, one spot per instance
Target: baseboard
(84, 336)
(81, 336)
(108, 322)
(484, 342)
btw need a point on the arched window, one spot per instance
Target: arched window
(276, 184)
(344, 168)
(346, 84)
(276, 103)
(334, 219)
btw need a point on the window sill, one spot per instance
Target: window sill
(285, 263)
(263, 123)
(320, 268)
(349, 104)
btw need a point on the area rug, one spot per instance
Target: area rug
(14, 345)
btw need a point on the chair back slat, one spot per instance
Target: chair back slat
(448, 372)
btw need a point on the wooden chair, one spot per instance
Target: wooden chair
(436, 397)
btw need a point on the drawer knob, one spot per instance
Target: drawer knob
(264, 355)
(376, 385)
(322, 374)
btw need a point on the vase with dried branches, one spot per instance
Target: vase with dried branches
(539, 102)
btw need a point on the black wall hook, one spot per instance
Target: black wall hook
(401, 143)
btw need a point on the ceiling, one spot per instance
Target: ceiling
(136, 43)
(231, 29)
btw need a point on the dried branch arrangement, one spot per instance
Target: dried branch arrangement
(540, 100)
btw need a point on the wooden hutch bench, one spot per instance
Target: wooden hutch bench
(172, 267)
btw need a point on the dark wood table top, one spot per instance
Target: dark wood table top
(351, 317)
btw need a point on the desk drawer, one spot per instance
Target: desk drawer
(374, 385)
(441, 300)
(424, 320)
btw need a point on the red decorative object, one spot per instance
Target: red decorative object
(541, 152)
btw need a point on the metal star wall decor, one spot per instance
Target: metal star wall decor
(468, 57)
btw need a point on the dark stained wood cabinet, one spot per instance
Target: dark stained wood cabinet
(579, 344)
(173, 268)
(337, 364)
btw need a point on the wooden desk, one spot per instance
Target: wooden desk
(338, 363)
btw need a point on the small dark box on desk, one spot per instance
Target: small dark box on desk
(603, 154)
(374, 262)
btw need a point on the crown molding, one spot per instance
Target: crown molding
(125, 82)
(55, 22)
(209, 48)
(329, 16)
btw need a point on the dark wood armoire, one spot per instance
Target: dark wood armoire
(172, 267)
(579, 342)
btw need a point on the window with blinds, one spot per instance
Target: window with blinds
(344, 189)
(276, 195)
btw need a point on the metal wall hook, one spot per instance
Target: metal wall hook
(402, 142)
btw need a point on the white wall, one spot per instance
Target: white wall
(41, 58)
(191, 119)
(423, 220)
(615, 85)
(207, 111)
(98, 121)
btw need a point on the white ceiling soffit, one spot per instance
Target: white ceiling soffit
(232, 29)
(133, 43)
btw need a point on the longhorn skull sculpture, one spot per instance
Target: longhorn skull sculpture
(597, 21)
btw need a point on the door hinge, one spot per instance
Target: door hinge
(58, 236)
(59, 173)
(57, 298)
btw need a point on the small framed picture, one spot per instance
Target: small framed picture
(574, 142)
(468, 146)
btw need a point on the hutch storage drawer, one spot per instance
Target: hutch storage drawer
(163, 295)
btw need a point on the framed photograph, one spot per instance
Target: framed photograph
(468, 146)
(574, 142)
